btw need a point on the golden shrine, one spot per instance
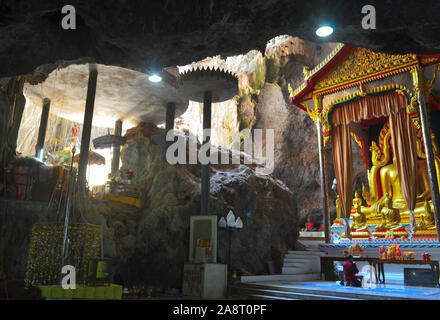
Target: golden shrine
(389, 106)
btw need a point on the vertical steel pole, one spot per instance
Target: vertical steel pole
(317, 99)
(43, 127)
(426, 130)
(323, 182)
(87, 126)
(206, 168)
(169, 120)
(116, 149)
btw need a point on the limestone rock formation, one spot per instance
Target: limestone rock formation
(150, 244)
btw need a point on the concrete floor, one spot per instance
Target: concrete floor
(391, 290)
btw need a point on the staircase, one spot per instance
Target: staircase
(304, 265)
(298, 266)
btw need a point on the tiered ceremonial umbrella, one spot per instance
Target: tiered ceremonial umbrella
(94, 158)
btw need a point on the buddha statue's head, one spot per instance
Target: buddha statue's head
(357, 201)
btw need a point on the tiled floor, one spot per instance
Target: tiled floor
(381, 290)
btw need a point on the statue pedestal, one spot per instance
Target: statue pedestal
(360, 235)
(338, 223)
(391, 234)
(425, 234)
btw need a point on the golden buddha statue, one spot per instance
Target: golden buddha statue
(359, 220)
(390, 183)
(427, 219)
(390, 216)
(426, 228)
(338, 221)
(359, 227)
(384, 176)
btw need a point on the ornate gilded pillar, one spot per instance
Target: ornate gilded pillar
(419, 86)
(324, 194)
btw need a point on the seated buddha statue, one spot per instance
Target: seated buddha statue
(390, 216)
(359, 220)
(427, 219)
(359, 227)
(390, 182)
(384, 178)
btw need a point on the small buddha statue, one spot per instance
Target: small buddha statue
(359, 219)
(390, 216)
(357, 200)
(427, 219)
(338, 221)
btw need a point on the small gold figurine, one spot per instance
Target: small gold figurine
(427, 219)
(390, 216)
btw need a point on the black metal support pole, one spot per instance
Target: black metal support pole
(229, 267)
(418, 81)
(169, 120)
(43, 127)
(429, 158)
(87, 126)
(116, 149)
(323, 183)
(206, 168)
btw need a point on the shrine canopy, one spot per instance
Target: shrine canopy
(356, 93)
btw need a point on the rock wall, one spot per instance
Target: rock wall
(262, 102)
(150, 244)
(296, 143)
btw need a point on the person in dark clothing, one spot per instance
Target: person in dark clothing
(350, 271)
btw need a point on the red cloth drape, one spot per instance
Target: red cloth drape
(343, 166)
(403, 138)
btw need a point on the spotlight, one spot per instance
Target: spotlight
(155, 78)
(324, 31)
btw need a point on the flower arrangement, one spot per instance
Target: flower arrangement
(408, 255)
(356, 249)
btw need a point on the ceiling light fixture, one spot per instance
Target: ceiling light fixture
(155, 78)
(324, 31)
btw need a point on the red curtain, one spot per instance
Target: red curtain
(343, 166)
(403, 138)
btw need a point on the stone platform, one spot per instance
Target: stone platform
(328, 290)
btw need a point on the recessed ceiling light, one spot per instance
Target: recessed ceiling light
(324, 31)
(155, 78)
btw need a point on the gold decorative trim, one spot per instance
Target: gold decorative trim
(356, 139)
(364, 65)
(362, 93)
(308, 74)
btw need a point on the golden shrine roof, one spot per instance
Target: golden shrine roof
(348, 66)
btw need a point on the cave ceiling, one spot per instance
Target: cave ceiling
(121, 94)
(144, 35)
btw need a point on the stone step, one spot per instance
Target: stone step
(293, 264)
(301, 276)
(269, 297)
(303, 269)
(274, 291)
(288, 295)
(282, 277)
(306, 253)
(300, 258)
